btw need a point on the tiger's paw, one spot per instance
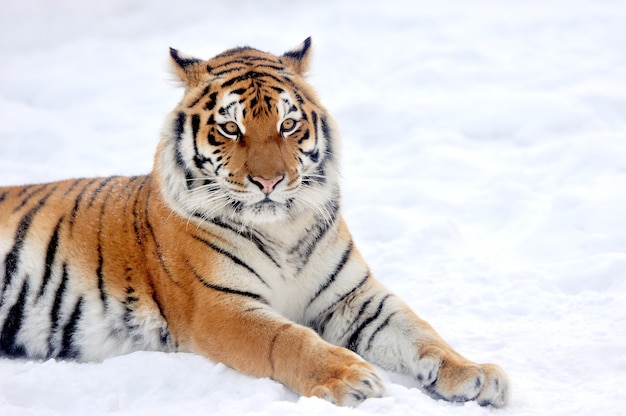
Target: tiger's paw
(455, 379)
(495, 391)
(350, 384)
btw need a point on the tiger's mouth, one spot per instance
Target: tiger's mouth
(266, 211)
(262, 205)
(269, 203)
(267, 200)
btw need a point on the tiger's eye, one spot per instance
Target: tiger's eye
(231, 128)
(287, 125)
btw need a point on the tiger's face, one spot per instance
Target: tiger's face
(249, 140)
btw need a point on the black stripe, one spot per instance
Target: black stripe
(72, 186)
(210, 105)
(77, 202)
(158, 250)
(320, 325)
(230, 52)
(179, 125)
(303, 249)
(234, 258)
(314, 154)
(68, 349)
(304, 137)
(382, 326)
(230, 290)
(247, 235)
(328, 155)
(253, 58)
(198, 159)
(129, 189)
(354, 289)
(3, 196)
(201, 96)
(12, 325)
(250, 75)
(50, 256)
(36, 189)
(359, 314)
(268, 101)
(155, 240)
(229, 70)
(179, 129)
(136, 219)
(56, 307)
(331, 278)
(103, 183)
(298, 96)
(253, 103)
(58, 299)
(242, 59)
(271, 66)
(100, 268)
(325, 128)
(354, 340)
(232, 61)
(195, 126)
(212, 140)
(164, 335)
(100, 275)
(11, 261)
(239, 91)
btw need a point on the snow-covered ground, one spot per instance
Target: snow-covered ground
(485, 179)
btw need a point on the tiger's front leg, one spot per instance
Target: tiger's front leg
(251, 338)
(381, 328)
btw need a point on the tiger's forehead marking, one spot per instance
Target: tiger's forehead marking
(242, 59)
(261, 92)
(260, 81)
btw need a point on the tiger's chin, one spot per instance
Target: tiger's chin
(266, 212)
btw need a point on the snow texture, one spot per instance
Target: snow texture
(484, 165)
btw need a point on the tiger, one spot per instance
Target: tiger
(233, 247)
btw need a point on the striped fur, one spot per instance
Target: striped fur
(234, 247)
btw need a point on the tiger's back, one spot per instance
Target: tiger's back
(74, 270)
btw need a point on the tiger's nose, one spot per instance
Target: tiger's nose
(266, 185)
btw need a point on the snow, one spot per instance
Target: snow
(484, 148)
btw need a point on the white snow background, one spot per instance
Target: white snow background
(484, 164)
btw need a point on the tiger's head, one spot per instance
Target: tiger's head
(249, 141)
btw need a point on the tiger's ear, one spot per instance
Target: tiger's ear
(189, 70)
(298, 59)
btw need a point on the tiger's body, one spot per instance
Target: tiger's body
(234, 247)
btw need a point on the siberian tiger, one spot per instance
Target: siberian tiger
(233, 247)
